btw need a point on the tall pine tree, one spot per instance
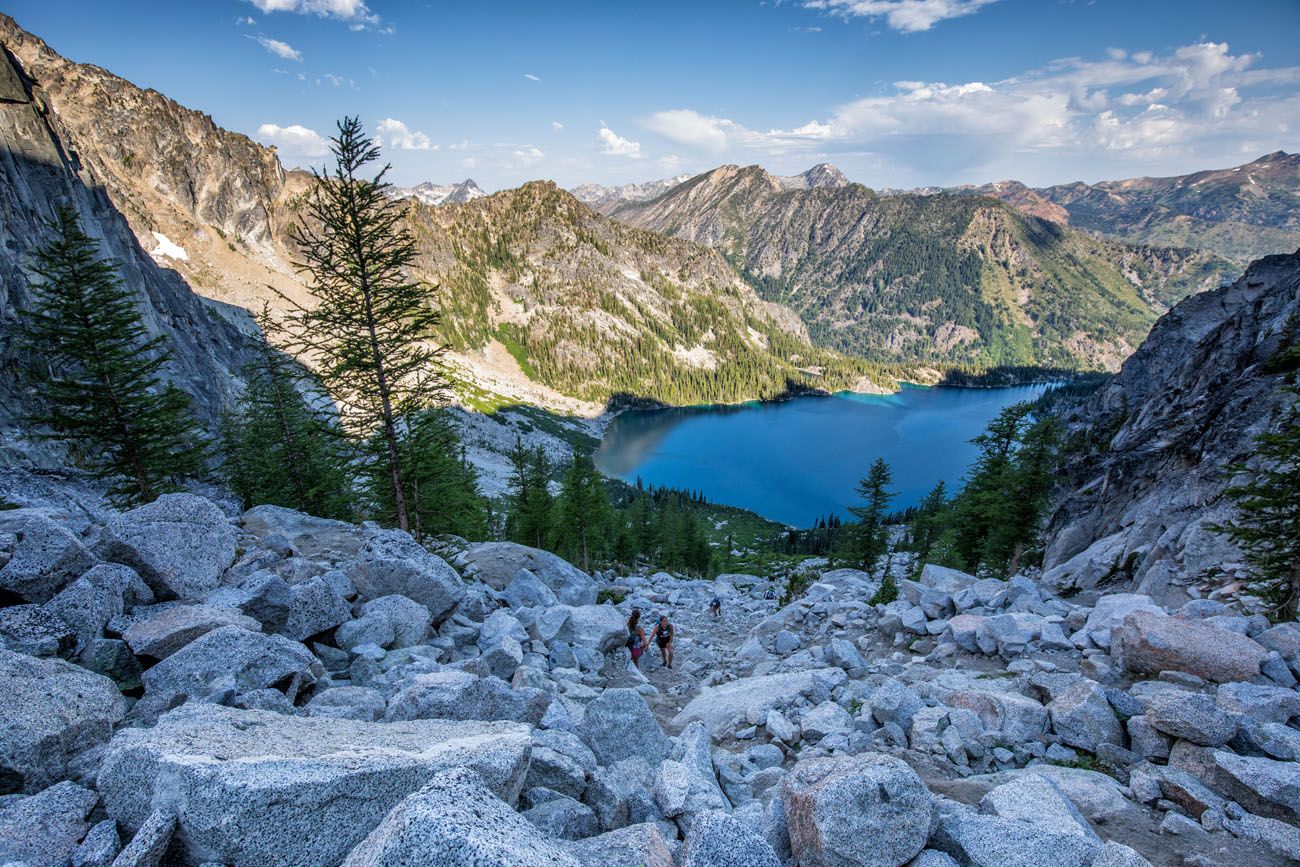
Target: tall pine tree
(1025, 493)
(871, 540)
(106, 395)
(371, 329)
(530, 518)
(983, 504)
(584, 511)
(1267, 525)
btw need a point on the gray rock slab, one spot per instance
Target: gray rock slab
(51, 711)
(257, 788)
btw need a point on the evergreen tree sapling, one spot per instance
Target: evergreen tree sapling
(371, 327)
(106, 395)
(278, 449)
(1267, 524)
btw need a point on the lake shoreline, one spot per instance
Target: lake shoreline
(793, 461)
(605, 418)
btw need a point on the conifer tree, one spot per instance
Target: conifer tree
(1267, 525)
(997, 515)
(441, 486)
(928, 522)
(278, 450)
(1025, 493)
(983, 503)
(584, 511)
(106, 395)
(870, 537)
(372, 325)
(531, 512)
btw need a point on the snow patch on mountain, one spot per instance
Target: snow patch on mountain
(166, 247)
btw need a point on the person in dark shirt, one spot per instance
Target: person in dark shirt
(663, 635)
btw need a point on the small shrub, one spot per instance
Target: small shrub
(612, 595)
(887, 593)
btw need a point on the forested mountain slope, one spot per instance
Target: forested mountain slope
(597, 308)
(931, 278)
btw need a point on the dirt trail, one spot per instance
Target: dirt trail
(703, 643)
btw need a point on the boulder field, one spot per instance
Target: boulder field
(186, 685)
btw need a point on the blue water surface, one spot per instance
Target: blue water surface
(797, 460)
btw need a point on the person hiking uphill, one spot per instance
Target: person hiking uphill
(636, 640)
(663, 635)
(715, 607)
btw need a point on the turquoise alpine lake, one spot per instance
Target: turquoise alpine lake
(797, 460)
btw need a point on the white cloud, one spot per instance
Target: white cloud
(616, 145)
(352, 11)
(336, 80)
(556, 125)
(908, 16)
(278, 48)
(245, 21)
(295, 140)
(527, 155)
(688, 127)
(531, 77)
(716, 135)
(395, 134)
(1104, 117)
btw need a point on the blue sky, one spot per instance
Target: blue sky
(897, 93)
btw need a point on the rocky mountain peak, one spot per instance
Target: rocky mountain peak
(429, 193)
(820, 175)
(54, 156)
(607, 198)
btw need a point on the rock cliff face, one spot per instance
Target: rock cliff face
(205, 202)
(1138, 500)
(44, 164)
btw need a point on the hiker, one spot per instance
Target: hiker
(663, 635)
(636, 640)
(715, 607)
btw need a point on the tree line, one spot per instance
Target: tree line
(593, 522)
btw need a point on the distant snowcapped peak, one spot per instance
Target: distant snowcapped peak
(429, 193)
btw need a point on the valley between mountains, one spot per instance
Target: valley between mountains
(249, 647)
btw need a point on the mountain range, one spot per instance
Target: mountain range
(931, 278)
(1241, 213)
(543, 299)
(605, 199)
(609, 199)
